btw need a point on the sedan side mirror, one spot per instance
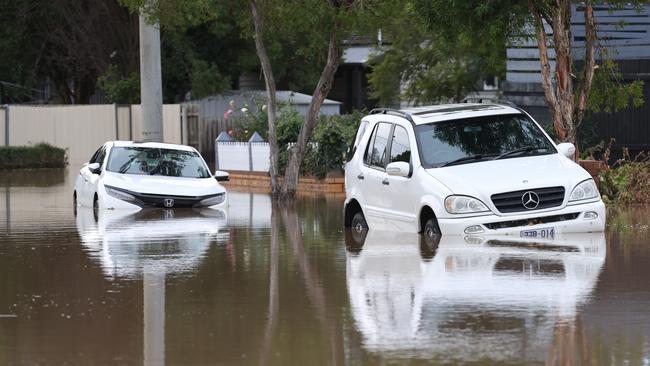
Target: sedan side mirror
(94, 168)
(567, 149)
(399, 169)
(221, 176)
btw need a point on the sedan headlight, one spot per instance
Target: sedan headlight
(584, 191)
(214, 200)
(120, 195)
(464, 204)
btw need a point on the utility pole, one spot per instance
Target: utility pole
(150, 80)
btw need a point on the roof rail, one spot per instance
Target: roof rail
(488, 100)
(395, 112)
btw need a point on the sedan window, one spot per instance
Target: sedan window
(153, 161)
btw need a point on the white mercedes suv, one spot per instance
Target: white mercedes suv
(466, 169)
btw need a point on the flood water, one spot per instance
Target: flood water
(260, 284)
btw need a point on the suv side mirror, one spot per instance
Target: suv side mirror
(221, 176)
(94, 168)
(567, 149)
(398, 169)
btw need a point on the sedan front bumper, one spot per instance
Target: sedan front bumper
(570, 219)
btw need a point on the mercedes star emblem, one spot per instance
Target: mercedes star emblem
(530, 200)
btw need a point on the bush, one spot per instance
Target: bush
(626, 181)
(38, 156)
(331, 141)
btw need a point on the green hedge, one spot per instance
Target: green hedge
(38, 156)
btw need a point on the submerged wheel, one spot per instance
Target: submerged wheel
(431, 228)
(359, 222)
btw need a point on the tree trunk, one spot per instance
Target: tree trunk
(297, 152)
(566, 110)
(269, 79)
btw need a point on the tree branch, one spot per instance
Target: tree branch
(589, 65)
(549, 95)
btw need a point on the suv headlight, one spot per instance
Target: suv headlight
(119, 194)
(464, 204)
(584, 191)
(214, 200)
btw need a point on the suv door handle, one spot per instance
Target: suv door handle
(360, 177)
(385, 182)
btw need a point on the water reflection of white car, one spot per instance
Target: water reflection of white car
(469, 299)
(133, 175)
(126, 243)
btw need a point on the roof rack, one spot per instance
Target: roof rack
(395, 112)
(488, 100)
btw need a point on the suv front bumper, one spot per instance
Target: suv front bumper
(514, 224)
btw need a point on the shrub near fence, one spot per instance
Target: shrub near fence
(37, 156)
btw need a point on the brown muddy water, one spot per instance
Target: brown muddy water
(263, 285)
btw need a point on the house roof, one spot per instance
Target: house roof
(358, 54)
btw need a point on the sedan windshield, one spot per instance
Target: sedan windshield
(153, 161)
(477, 139)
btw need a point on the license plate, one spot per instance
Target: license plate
(543, 233)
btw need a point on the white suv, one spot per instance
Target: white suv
(466, 169)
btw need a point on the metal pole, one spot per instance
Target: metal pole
(184, 137)
(6, 125)
(154, 317)
(8, 207)
(117, 124)
(150, 80)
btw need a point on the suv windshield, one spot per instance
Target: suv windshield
(153, 161)
(476, 139)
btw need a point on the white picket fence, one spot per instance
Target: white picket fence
(247, 156)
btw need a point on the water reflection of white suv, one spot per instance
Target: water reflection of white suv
(466, 169)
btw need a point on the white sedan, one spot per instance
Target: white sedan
(135, 175)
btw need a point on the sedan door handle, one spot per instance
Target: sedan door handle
(385, 182)
(360, 177)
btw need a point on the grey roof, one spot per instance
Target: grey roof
(358, 54)
(281, 96)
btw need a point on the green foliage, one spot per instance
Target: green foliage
(609, 93)
(120, 89)
(627, 181)
(330, 143)
(38, 156)
(288, 125)
(248, 119)
(441, 49)
(206, 79)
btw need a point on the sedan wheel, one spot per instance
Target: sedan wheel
(359, 222)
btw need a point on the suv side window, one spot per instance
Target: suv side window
(400, 149)
(371, 142)
(376, 155)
